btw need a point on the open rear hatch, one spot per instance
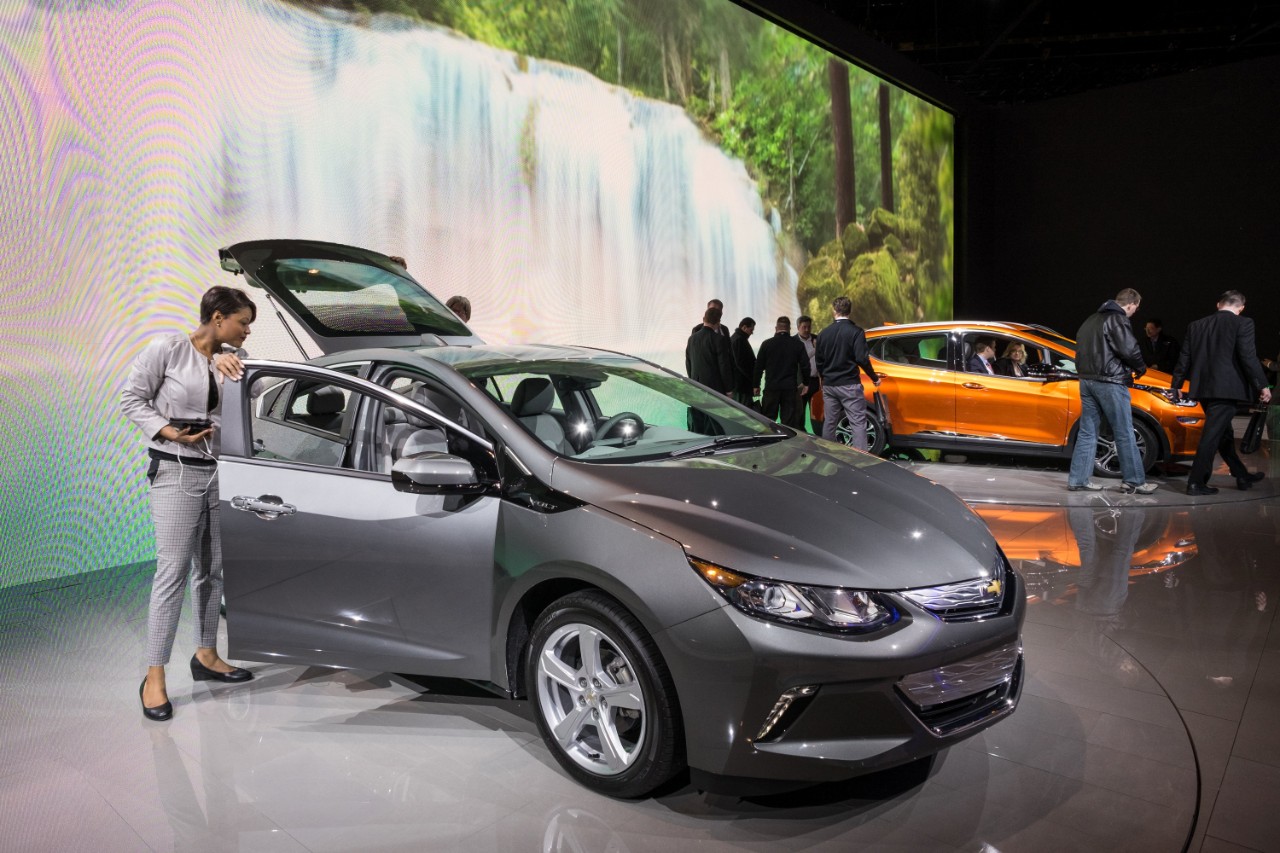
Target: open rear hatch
(346, 297)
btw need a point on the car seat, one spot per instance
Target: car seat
(531, 404)
(406, 434)
(324, 409)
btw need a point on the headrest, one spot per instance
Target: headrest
(436, 402)
(325, 401)
(533, 396)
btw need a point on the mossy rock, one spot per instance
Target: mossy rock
(882, 223)
(894, 245)
(821, 281)
(854, 241)
(878, 292)
(833, 251)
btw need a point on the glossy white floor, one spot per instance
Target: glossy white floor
(1148, 722)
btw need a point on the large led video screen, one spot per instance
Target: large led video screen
(584, 171)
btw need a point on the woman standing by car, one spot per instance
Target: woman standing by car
(1014, 360)
(173, 396)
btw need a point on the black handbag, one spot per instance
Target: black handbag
(1252, 438)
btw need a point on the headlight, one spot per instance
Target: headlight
(1166, 394)
(818, 608)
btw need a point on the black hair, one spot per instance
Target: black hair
(225, 301)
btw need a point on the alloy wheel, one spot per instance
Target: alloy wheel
(590, 699)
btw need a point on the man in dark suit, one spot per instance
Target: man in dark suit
(783, 363)
(983, 358)
(706, 356)
(720, 327)
(1219, 358)
(1158, 349)
(744, 360)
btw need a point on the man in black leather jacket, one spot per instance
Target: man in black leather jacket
(1107, 361)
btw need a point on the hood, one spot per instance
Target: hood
(1110, 307)
(345, 297)
(797, 510)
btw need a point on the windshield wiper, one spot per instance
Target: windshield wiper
(723, 441)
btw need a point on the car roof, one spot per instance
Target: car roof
(957, 324)
(464, 357)
(1043, 333)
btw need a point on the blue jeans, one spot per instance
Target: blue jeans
(1108, 400)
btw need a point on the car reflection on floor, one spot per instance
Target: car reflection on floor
(1067, 552)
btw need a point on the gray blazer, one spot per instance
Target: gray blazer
(170, 379)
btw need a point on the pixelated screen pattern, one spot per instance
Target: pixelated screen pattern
(570, 204)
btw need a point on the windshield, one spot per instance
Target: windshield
(341, 298)
(617, 410)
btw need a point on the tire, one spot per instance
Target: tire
(1106, 462)
(616, 710)
(876, 441)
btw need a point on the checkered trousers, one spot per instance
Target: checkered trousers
(184, 509)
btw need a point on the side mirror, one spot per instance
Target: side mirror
(433, 473)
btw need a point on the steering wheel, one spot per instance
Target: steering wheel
(605, 428)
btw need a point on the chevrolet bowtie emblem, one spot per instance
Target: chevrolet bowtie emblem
(993, 588)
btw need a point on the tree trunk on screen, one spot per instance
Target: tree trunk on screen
(666, 80)
(679, 79)
(621, 46)
(726, 87)
(842, 127)
(886, 151)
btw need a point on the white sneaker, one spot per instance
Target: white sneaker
(1144, 489)
(1087, 485)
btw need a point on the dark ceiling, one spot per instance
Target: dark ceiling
(1016, 51)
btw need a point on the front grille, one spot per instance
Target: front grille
(958, 696)
(966, 601)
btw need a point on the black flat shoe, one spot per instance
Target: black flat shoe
(200, 672)
(158, 714)
(1193, 489)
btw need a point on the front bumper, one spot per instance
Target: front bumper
(880, 700)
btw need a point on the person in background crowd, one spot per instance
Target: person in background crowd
(1014, 360)
(1272, 366)
(744, 360)
(983, 358)
(1158, 349)
(461, 306)
(784, 365)
(720, 328)
(842, 359)
(804, 332)
(396, 259)
(1107, 362)
(1222, 363)
(707, 358)
(173, 384)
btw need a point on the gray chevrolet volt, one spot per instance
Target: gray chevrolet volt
(671, 580)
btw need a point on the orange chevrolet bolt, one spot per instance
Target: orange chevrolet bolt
(931, 401)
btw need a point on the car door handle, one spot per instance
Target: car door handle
(973, 386)
(266, 507)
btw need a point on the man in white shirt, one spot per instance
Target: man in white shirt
(804, 331)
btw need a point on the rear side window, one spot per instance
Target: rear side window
(924, 350)
(303, 420)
